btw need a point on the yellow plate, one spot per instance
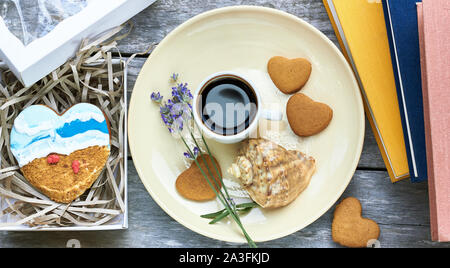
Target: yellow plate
(243, 39)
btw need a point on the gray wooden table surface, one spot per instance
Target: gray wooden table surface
(400, 209)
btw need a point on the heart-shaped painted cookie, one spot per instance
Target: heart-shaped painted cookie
(307, 117)
(191, 183)
(289, 75)
(61, 154)
(349, 228)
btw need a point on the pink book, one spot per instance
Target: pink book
(434, 36)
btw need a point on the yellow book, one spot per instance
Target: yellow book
(361, 30)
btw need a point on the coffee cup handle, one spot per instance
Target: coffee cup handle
(272, 115)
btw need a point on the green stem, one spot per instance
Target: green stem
(233, 213)
(203, 173)
(227, 197)
(240, 207)
(219, 215)
(224, 202)
(213, 215)
(219, 218)
(209, 152)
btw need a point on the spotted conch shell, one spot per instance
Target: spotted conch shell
(272, 175)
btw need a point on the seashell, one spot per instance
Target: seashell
(272, 175)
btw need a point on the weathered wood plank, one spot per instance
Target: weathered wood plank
(370, 155)
(155, 22)
(400, 209)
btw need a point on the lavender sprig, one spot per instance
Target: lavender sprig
(174, 77)
(196, 152)
(156, 97)
(182, 94)
(176, 113)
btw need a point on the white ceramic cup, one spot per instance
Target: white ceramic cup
(253, 124)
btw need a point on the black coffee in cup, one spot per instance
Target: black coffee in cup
(228, 105)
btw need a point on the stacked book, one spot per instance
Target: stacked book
(400, 53)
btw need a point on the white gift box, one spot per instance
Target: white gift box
(32, 62)
(117, 223)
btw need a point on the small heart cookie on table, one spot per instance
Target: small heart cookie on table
(306, 116)
(289, 75)
(61, 154)
(349, 228)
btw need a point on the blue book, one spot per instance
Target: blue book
(403, 35)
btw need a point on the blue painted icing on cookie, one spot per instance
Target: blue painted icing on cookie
(38, 139)
(76, 127)
(38, 131)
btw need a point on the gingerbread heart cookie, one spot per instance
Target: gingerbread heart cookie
(307, 117)
(289, 75)
(349, 228)
(61, 154)
(191, 183)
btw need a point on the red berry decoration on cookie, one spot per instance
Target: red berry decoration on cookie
(76, 166)
(52, 159)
